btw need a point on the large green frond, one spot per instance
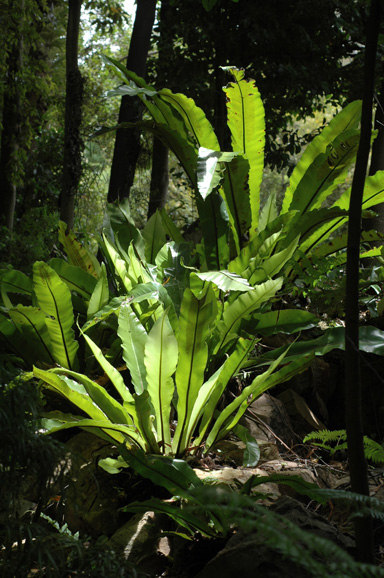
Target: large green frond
(54, 299)
(160, 359)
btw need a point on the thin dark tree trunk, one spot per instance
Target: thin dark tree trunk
(354, 427)
(73, 144)
(7, 154)
(127, 143)
(10, 135)
(158, 190)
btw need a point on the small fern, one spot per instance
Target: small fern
(373, 450)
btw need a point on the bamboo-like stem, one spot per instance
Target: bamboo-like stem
(354, 426)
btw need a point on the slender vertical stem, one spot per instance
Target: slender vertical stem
(354, 427)
(74, 92)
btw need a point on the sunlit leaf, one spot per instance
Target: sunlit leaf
(160, 359)
(54, 299)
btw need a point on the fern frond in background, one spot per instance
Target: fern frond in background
(373, 450)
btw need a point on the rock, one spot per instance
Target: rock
(308, 520)
(91, 502)
(267, 419)
(141, 543)
(246, 556)
(301, 415)
(233, 476)
(231, 452)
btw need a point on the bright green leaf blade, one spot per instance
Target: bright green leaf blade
(113, 374)
(272, 265)
(154, 105)
(340, 242)
(230, 416)
(54, 299)
(154, 236)
(196, 318)
(145, 416)
(120, 413)
(371, 340)
(226, 281)
(76, 278)
(13, 341)
(133, 339)
(347, 119)
(160, 359)
(119, 264)
(315, 227)
(210, 393)
(111, 308)
(214, 224)
(268, 213)
(174, 475)
(244, 305)
(282, 321)
(100, 294)
(325, 173)
(130, 90)
(246, 122)
(111, 465)
(77, 254)
(113, 433)
(373, 193)
(235, 191)
(209, 169)
(113, 410)
(252, 250)
(252, 450)
(138, 270)
(174, 114)
(200, 405)
(157, 294)
(75, 392)
(194, 118)
(14, 282)
(31, 322)
(170, 228)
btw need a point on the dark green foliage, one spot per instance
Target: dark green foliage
(23, 452)
(295, 58)
(32, 240)
(29, 464)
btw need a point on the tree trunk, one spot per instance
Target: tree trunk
(158, 191)
(10, 134)
(159, 177)
(73, 144)
(127, 143)
(7, 154)
(353, 418)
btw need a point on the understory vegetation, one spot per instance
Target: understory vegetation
(138, 347)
